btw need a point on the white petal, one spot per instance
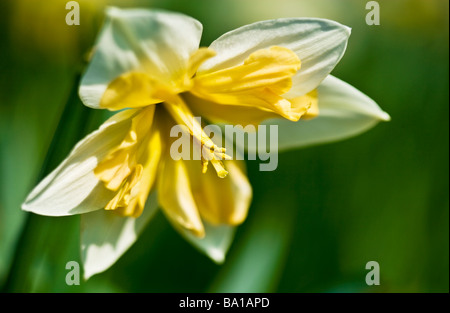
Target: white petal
(319, 44)
(344, 112)
(106, 236)
(72, 188)
(152, 41)
(216, 242)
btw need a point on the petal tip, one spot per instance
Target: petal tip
(26, 207)
(335, 24)
(348, 29)
(89, 273)
(217, 255)
(385, 117)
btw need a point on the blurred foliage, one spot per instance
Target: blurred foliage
(314, 223)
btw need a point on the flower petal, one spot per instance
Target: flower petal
(215, 244)
(222, 204)
(129, 90)
(234, 115)
(155, 42)
(130, 169)
(265, 75)
(221, 201)
(106, 236)
(176, 198)
(344, 111)
(319, 44)
(72, 188)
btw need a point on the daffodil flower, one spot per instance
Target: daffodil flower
(148, 67)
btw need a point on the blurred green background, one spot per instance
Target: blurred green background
(314, 223)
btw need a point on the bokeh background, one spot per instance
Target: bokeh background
(314, 223)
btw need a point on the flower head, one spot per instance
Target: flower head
(148, 67)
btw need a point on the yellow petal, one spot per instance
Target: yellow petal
(260, 82)
(130, 90)
(197, 59)
(130, 168)
(221, 200)
(307, 105)
(309, 102)
(176, 198)
(120, 161)
(185, 193)
(122, 197)
(234, 115)
(150, 157)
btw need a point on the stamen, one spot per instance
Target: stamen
(224, 156)
(204, 165)
(180, 112)
(220, 169)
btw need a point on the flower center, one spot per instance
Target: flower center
(259, 82)
(210, 152)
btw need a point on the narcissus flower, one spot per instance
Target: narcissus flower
(148, 66)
